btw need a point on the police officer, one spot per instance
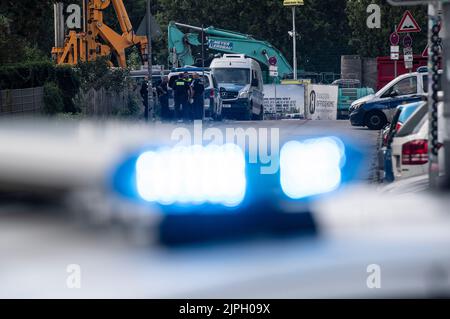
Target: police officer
(163, 95)
(181, 96)
(197, 89)
(144, 95)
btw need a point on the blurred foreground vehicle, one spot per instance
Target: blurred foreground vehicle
(210, 225)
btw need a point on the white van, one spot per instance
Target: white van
(241, 86)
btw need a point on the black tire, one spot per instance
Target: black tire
(248, 114)
(375, 120)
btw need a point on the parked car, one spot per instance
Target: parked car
(403, 113)
(350, 90)
(375, 111)
(410, 145)
(385, 151)
(213, 101)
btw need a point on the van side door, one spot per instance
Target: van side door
(257, 92)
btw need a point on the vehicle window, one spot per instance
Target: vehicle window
(406, 113)
(412, 122)
(254, 77)
(232, 76)
(214, 81)
(419, 126)
(406, 86)
(206, 81)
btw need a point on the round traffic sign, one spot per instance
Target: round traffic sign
(407, 41)
(273, 60)
(394, 38)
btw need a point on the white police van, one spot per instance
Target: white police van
(241, 86)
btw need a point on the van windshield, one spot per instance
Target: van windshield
(232, 75)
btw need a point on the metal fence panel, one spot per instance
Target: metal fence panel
(21, 101)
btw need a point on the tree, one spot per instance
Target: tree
(324, 34)
(375, 42)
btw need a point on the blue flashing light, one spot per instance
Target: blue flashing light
(311, 167)
(192, 175)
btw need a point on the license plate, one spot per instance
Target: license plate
(226, 106)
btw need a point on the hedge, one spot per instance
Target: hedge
(32, 74)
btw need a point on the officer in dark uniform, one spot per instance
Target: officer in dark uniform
(181, 96)
(197, 91)
(144, 95)
(163, 95)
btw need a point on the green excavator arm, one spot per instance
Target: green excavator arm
(222, 41)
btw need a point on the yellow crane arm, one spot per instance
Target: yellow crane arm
(86, 46)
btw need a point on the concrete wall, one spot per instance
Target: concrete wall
(362, 69)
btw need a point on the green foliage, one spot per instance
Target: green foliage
(134, 59)
(26, 75)
(53, 99)
(375, 42)
(98, 74)
(32, 74)
(133, 109)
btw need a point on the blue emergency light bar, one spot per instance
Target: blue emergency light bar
(191, 69)
(214, 192)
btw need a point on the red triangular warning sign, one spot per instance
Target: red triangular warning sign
(425, 52)
(408, 24)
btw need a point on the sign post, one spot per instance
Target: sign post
(293, 4)
(408, 52)
(395, 49)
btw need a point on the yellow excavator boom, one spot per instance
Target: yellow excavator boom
(98, 39)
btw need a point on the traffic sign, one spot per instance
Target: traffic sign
(273, 60)
(273, 70)
(395, 52)
(407, 41)
(425, 51)
(408, 24)
(289, 3)
(394, 38)
(408, 57)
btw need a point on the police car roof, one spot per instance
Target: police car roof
(190, 69)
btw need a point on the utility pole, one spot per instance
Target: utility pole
(294, 39)
(446, 85)
(203, 70)
(149, 108)
(293, 4)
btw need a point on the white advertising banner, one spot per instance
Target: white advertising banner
(322, 102)
(287, 100)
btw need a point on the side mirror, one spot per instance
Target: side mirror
(255, 82)
(394, 93)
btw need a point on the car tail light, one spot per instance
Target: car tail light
(398, 126)
(211, 93)
(415, 152)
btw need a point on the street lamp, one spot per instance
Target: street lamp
(293, 4)
(149, 63)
